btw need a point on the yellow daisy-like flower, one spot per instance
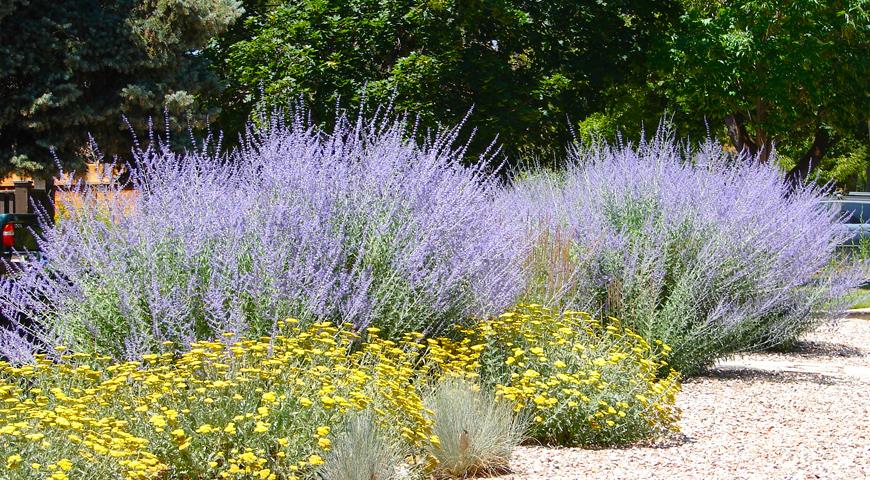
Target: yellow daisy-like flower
(13, 461)
(261, 427)
(269, 397)
(205, 428)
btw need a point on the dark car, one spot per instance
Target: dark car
(18, 244)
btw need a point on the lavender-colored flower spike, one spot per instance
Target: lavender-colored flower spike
(705, 251)
(366, 225)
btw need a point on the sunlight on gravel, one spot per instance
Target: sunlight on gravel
(798, 415)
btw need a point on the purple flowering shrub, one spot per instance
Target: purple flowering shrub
(707, 253)
(376, 225)
(363, 226)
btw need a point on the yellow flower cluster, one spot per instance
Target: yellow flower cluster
(581, 382)
(250, 409)
(268, 408)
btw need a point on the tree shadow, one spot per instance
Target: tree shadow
(671, 440)
(809, 349)
(775, 376)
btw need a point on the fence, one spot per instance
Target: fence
(22, 196)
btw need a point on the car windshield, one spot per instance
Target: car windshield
(857, 212)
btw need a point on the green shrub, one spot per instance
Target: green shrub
(580, 381)
(324, 402)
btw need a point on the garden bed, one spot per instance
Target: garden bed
(801, 414)
(356, 305)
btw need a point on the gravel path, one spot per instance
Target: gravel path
(797, 415)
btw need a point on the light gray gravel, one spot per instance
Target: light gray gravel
(796, 415)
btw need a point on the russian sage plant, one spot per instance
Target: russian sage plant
(371, 224)
(706, 252)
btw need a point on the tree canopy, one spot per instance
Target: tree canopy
(526, 67)
(795, 74)
(73, 68)
(756, 73)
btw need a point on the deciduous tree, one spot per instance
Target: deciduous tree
(526, 66)
(794, 73)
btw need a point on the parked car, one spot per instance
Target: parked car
(18, 245)
(856, 206)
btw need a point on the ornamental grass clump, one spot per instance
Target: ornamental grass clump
(474, 433)
(365, 451)
(709, 253)
(371, 224)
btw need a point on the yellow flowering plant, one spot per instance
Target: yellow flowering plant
(274, 408)
(581, 381)
(262, 408)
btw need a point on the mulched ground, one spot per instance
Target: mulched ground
(798, 415)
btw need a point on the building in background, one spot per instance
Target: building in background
(18, 193)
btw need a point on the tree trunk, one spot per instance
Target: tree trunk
(810, 160)
(761, 147)
(763, 143)
(739, 136)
